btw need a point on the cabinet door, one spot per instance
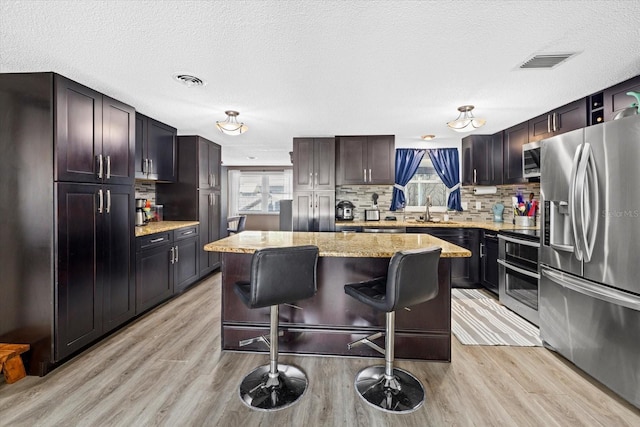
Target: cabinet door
(616, 98)
(324, 218)
(118, 141)
(78, 140)
(214, 165)
(541, 127)
(489, 263)
(352, 160)
(465, 272)
(154, 276)
(570, 117)
(476, 160)
(78, 309)
(141, 147)
(303, 164)
(161, 151)
(119, 256)
(186, 269)
(514, 138)
(495, 161)
(204, 178)
(468, 167)
(324, 164)
(209, 217)
(303, 211)
(381, 159)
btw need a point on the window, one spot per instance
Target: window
(258, 192)
(426, 182)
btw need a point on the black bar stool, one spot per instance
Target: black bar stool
(412, 278)
(278, 276)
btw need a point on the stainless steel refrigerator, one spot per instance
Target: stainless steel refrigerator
(590, 254)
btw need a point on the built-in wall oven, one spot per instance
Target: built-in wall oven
(519, 275)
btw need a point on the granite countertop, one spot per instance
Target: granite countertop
(161, 226)
(487, 225)
(351, 245)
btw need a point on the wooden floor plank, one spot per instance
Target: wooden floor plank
(166, 369)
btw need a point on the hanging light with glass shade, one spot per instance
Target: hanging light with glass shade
(466, 122)
(231, 126)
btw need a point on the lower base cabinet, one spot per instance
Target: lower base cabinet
(465, 272)
(166, 264)
(489, 270)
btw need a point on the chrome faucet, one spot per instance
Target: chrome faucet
(427, 216)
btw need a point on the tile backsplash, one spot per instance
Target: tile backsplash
(146, 190)
(360, 196)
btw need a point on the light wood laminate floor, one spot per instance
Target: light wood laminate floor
(167, 369)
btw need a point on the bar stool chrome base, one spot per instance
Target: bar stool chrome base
(264, 392)
(401, 393)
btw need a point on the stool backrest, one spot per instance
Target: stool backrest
(412, 277)
(283, 275)
(235, 224)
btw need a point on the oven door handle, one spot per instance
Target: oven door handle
(518, 269)
(519, 242)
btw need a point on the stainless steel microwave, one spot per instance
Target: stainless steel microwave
(531, 160)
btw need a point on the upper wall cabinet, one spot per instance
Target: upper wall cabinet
(94, 136)
(616, 98)
(482, 159)
(365, 160)
(564, 119)
(155, 150)
(513, 140)
(314, 164)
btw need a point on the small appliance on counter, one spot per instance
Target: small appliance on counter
(372, 214)
(344, 210)
(141, 215)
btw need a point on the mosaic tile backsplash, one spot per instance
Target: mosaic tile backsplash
(146, 190)
(360, 195)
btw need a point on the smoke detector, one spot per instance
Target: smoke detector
(188, 80)
(546, 60)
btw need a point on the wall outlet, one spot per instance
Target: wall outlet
(478, 205)
(465, 206)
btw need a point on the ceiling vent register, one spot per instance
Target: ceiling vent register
(188, 80)
(546, 61)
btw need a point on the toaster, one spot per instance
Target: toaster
(372, 215)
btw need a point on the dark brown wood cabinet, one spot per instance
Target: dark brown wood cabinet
(155, 150)
(482, 159)
(94, 136)
(616, 98)
(489, 270)
(67, 214)
(564, 119)
(365, 160)
(513, 140)
(195, 196)
(166, 264)
(314, 210)
(314, 164)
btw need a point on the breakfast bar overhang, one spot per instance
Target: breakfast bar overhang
(326, 323)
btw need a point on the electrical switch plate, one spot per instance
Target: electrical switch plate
(478, 205)
(465, 206)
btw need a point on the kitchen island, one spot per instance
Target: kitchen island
(324, 324)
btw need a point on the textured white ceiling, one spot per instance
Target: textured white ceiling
(322, 68)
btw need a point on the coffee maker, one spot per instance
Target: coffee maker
(141, 217)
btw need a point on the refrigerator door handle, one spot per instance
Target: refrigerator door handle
(563, 248)
(590, 209)
(600, 292)
(573, 203)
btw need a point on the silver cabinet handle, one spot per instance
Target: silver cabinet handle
(475, 175)
(316, 184)
(490, 236)
(548, 123)
(214, 179)
(144, 166)
(108, 167)
(364, 171)
(100, 201)
(177, 254)
(369, 175)
(173, 255)
(100, 166)
(159, 239)
(481, 250)
(555, 122)
(150, 166)
(186, 233)
(108, 201)
(310, 179)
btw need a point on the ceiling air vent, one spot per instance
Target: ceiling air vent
(188, 80)
(546, 61)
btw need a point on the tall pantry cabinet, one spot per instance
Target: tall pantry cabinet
(195, 196)
(67, 205)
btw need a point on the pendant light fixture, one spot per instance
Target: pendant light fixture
(231, 126)
(466, 122)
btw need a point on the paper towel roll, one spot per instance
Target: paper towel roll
(485, 190)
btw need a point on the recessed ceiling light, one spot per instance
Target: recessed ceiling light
(427, 137)
(188, 80)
